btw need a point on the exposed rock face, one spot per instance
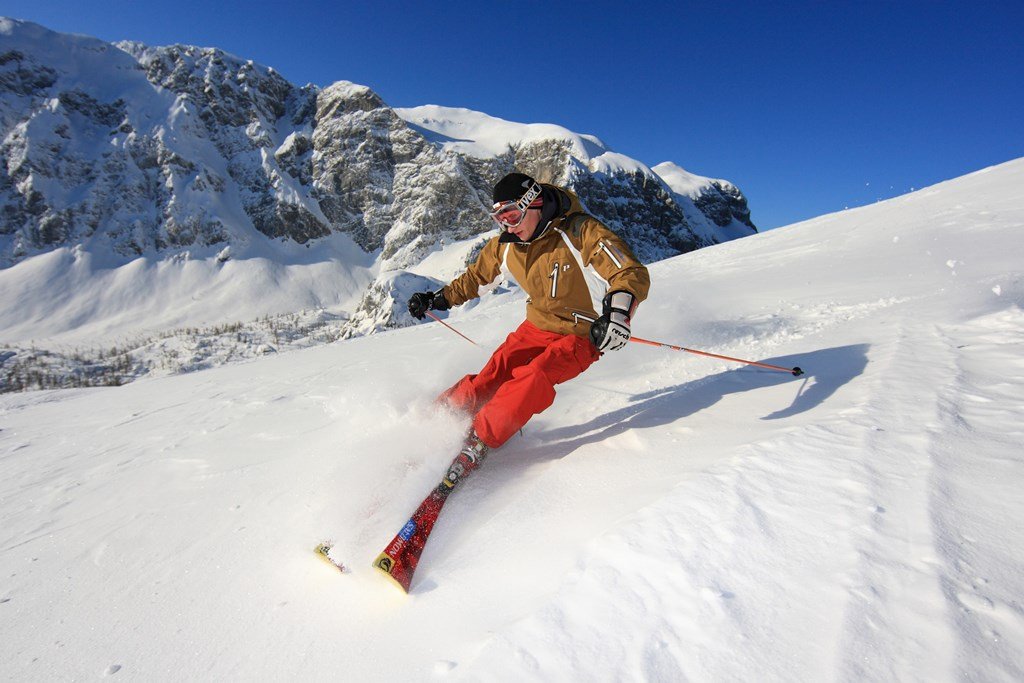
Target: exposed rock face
(723, 203)
(140, 151)
(385, 184)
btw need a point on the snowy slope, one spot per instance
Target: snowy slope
(671, 517)
(75, 296)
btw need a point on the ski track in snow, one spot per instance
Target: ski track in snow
(669, 518)
(897, 576)
(976, 448)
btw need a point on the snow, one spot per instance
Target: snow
(90, 297)
(671, 517)
(483, 136)
(682, 181)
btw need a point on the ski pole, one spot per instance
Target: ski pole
(451, 328)
(796, 372)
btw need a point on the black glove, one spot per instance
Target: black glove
(421, 302)
(610, 332)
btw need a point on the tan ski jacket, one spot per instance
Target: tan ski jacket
(566, 271)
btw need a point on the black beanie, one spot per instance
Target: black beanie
(512, 187)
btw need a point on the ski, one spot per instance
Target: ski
(323, 551)
(401, 556)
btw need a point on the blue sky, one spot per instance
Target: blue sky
(809, 107)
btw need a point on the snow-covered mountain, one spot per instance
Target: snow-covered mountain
(144, 188)
(671, 517)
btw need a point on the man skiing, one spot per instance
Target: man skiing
(571, 266)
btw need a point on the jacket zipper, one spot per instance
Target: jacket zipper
(554, 281)
(605, 249)
(577, 317)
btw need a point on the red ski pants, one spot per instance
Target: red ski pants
(519, 380)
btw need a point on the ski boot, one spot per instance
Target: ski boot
(473, 453)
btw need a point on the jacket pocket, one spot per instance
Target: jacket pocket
(578, 318)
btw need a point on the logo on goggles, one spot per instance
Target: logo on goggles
(510, 214)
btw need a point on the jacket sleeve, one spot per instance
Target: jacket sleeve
(613, 260)
(483, 271)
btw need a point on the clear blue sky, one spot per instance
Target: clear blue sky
(809, 107)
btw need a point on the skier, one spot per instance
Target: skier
(571, 266)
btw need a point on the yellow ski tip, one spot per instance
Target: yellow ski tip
(383, 564)
(323, 551)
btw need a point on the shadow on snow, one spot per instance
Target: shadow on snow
(829, 369)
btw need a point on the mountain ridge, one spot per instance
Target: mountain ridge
(186, 165)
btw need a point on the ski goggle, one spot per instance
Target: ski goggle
(510, 214)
